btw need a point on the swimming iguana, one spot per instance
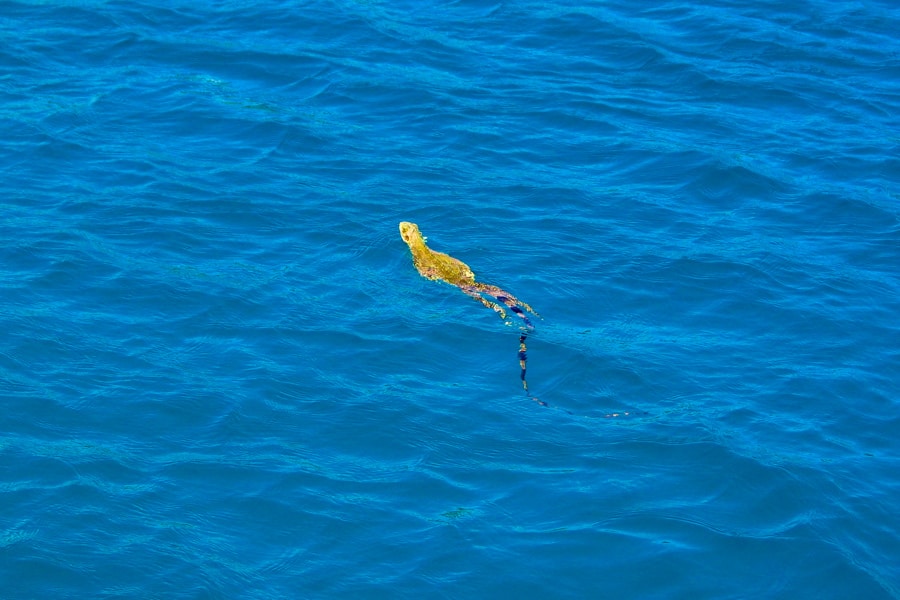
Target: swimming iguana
(441, 267)
(438, 266)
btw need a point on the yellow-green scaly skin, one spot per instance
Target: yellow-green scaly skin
(434, 265)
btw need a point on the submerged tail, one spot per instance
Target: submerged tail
(523, 358)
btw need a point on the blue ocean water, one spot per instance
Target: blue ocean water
(221, 376)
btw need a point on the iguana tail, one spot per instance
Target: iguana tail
(523, 358)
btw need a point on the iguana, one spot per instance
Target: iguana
(438, 266)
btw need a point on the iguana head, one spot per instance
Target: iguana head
(410, 233)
